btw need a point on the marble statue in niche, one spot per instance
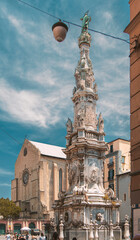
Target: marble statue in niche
(93, 179)
(109, 192)
(91, 118)
(81, 116)
(69, 126)
(95, 88)
(73, 173)
(78, 79)
(101, 186)
(101, 123)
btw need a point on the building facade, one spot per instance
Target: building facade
(124, 195)
(117, 162)
(133, 29)
(14, 226)
(40, 173)
(117, 168)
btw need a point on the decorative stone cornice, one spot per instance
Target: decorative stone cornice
(85, 93)
(85, 38)
(135, 21)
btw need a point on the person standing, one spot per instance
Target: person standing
(8, 236)
(27, 236)
(42, 237)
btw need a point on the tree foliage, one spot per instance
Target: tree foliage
(8, 209)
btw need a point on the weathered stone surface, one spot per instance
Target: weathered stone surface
(85, 151)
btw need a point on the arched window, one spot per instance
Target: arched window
(2, 228)
(32, 225)
(60, 180)
(17, 228)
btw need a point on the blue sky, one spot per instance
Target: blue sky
(37, 73)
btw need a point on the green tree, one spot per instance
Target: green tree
(8, 209)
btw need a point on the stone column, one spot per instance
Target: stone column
(96, 236)
(126, 229)
(67, 182)
(117, 216)
(91, 235)
(61, 225)
(40, 226)
(23, 224)
(55, 181)
(12, 227)
(111, 235)
(8, 225)
(63, 177)
(43, 228)
(48, 187)
(37, 225)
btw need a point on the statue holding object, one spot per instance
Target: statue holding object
(85, 22)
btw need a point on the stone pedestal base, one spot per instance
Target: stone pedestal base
(83, 234)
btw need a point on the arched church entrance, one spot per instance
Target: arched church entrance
(17, 228)
(2, 228)
(32, 225)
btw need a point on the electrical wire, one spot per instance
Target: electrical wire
(74, 24)
(38, 9)
(10, 136)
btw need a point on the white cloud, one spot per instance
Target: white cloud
(107, 17)
(104, 43)
(67, 65)
(34, 108)
(5, 184)
(20, 26)
(44, 77)
(112, 105)
(5, 172)
(51, 65)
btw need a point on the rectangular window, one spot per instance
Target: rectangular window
(123, 159)
(60, 180)
(111, 160)
(111, 174)
(111, 148)
(124, 197)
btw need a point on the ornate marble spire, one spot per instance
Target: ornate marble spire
(86, 131)
(85, 150)
(85, 92)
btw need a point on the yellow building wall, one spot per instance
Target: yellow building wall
(124, 147)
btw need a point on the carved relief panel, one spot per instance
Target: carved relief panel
(91, 118)
(94, 175)
(76, 172)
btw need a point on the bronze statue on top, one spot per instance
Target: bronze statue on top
(85, 22)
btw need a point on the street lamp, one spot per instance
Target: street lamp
(59, 31)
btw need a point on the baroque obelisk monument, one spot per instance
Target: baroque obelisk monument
(86, 199)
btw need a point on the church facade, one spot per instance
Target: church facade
(40, 173)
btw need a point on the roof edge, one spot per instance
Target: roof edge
(119, 139)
